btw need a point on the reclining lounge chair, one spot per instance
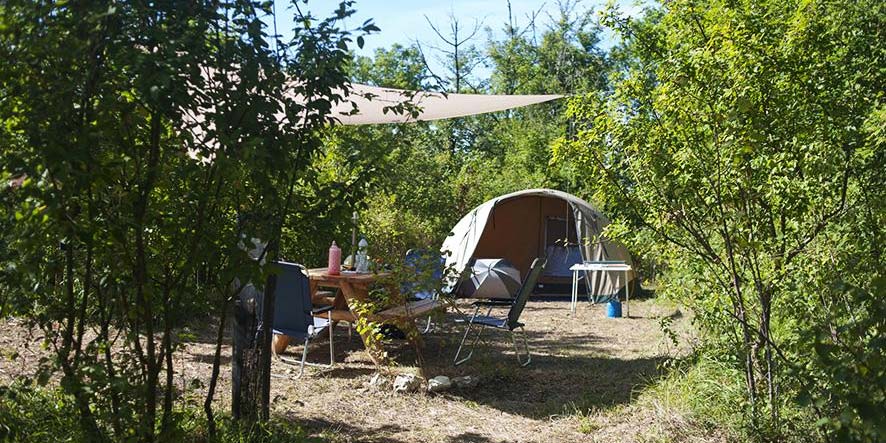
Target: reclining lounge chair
(509, 323)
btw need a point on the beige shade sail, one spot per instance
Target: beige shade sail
(357, 104)
(367, 105)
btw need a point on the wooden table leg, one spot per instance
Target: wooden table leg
(376, 353)
(312, 285)
(341, 302)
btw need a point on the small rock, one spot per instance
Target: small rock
(439, 383)
(466, 382)
(378, 382)
(406, 383)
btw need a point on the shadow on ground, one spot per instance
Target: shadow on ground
(581, 362)
(379, 434)
(569, 371)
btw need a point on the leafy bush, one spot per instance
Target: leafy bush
(144, 142)
(741, 146)
(391, 231)
(30, 413)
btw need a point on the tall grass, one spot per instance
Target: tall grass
(704, 399)
(30, 413)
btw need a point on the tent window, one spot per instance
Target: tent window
(559, 230)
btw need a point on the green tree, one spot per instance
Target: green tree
(412, 182)
(399, 67)
(738, 138)
(144, 142)
(567, 59)
(560, 57)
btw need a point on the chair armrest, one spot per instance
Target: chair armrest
(321, 310)
(494, 303)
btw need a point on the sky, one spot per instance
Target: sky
(404, 22)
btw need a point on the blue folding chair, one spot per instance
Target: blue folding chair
(422, 262)
(294, 313)
(509, 323)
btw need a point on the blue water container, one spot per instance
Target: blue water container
(613, 309)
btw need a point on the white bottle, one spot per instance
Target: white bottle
(362, 256)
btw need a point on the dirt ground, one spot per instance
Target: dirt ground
(585, 375)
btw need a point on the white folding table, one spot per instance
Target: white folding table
(600, 267)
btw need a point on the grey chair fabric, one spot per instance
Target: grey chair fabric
(423, 263)
(294, 312)
(292, 308)
(522, 297)
(509, 323)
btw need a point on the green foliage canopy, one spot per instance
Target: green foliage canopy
(739, 145)
(143, 144)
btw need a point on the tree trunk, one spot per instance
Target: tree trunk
(144, 302)
(245, 402)
(766, 339)
(144, 307)
(116, 425)
(81, 322)
(213, 380)
(167, 354)
(72, 381)
(253, 316)
(266, 333)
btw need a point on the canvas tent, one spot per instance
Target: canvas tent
(534, 223)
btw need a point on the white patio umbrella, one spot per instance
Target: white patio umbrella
(492, 278)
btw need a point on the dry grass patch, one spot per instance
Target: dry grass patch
(585, 374)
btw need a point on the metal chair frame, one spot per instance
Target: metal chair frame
(313, 333)
(511, 323)
(312, 330)
(476, 339)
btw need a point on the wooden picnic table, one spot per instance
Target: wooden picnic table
(352, 286)
(355, 287)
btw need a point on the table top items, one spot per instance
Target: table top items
(362, 262)
(601, 266)
(334, 264)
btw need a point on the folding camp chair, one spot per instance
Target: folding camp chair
(422, 262)
(509, 323)
(294, 313)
